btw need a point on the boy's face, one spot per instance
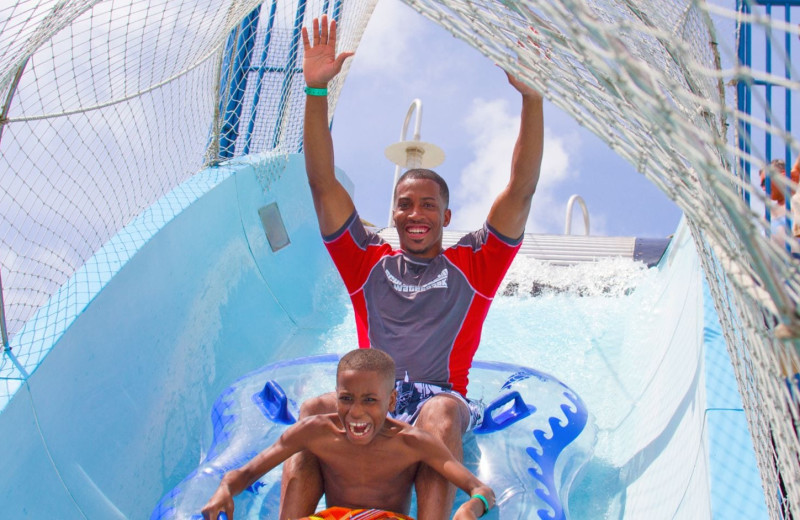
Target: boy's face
(362, 400)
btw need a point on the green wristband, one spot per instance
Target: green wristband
(316, 91)
(485, 502)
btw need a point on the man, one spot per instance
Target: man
(421, 304)
(776, 173)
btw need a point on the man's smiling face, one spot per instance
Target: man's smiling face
(420, 216)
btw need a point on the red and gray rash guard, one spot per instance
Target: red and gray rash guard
(426, 313)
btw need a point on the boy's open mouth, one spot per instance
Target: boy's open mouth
(359, 429)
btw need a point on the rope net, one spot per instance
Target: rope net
(109, 105)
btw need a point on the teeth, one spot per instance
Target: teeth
(359, 429)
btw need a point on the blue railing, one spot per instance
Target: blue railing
(749, 49)
(238, 70)
(261, 70)
(238, 53)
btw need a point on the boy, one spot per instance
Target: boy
(366, 459)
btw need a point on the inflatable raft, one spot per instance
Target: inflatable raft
(535, 436)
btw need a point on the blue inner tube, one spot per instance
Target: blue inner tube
(535, 437)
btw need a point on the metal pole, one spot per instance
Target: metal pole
(3, 329)
(743, 97)
(12, 89)
(787, 93)
(4, 332)
(568, 222)
(3, 120)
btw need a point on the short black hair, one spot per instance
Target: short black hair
(775, 166)
(368, 359)
(424, 173)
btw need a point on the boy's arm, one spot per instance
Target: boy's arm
(511, 208)
(474, 507)
(435, 454)
(235, 481)
(320, 64)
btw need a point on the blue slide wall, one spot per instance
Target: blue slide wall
(118, 410)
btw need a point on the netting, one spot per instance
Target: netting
(658, 82)
(108, 105)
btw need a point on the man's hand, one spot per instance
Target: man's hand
(320, 63)
(522, 87)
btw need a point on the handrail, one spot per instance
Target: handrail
(3, 329)
(568, 223)
(6, 348)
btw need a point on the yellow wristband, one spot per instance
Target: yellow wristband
(316, 91)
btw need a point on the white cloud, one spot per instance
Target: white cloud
(385, 46)
(493, 130)
(598, 224)
(548, 210)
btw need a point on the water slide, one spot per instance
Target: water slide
(191, 296)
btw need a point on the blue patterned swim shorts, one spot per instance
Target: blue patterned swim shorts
(411, 396)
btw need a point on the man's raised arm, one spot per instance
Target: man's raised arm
(511, 208)
(320, 64)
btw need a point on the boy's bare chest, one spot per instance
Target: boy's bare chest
(368, 465)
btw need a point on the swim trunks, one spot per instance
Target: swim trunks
(427, 313)
(343, 513)
(411, 397)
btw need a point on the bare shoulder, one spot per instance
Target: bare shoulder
(395, 428)
(413, 437)
(322, 422)
(315, 433)
(315, 426)
(401, 435)
(413, 433)
(422, 446)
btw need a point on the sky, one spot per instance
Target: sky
(472, 113)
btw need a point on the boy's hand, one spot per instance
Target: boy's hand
(466, 511)
(475, 507)
(221, 502)
(320, 63)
